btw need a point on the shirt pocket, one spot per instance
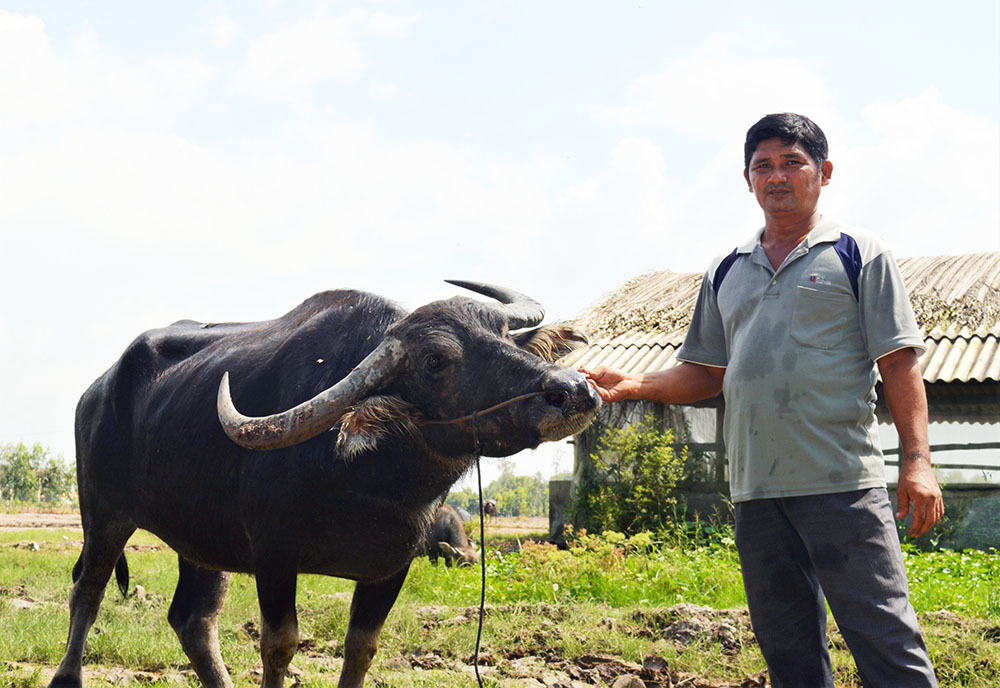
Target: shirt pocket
(821, 319)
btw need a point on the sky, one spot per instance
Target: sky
(223, 161)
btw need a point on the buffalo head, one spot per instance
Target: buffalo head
(451, 372)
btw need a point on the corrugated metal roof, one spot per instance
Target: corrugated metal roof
(956, 300)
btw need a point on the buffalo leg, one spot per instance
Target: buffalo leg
(279, 633)
(369, 608)
(101, 549)
(194, 616)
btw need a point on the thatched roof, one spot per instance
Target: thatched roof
(954, 293)
(660, 301)
(956, 300)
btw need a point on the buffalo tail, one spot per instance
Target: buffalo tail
(121, 573)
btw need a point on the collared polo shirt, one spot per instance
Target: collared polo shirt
(799, 345)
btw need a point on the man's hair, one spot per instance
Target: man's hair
(791, 129)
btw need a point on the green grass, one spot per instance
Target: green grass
(546, 608)
(966, 582)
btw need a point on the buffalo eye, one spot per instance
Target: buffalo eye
(433, 361)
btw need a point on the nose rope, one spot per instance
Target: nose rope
(482, 412)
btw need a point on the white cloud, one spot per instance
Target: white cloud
(26, 83)
(387, 24)
(40, 87)
(303, 53)
(720, 88)
(919, 172)
(924, 175)
(631, 191)
(223, 30)
(384, 91)
(647, 210)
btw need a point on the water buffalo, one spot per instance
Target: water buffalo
(363, 416)
(446, 538)
(490, 508)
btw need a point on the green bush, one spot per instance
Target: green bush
(629, 485)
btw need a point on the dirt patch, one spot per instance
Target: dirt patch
(37, 520)
(508, 525)
(536, 671)
(527, 658)
(496, 526)
(687, 624)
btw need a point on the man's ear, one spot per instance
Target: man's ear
(551, 342)
(746, 175)
(364, 426)
(826, 169)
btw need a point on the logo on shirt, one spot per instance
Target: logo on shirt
(816, 279)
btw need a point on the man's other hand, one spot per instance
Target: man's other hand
(917, 485)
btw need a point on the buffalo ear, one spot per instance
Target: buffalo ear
(365, 425)
(551, 342)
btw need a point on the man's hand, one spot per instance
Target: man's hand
(613, 385)
(918, 485)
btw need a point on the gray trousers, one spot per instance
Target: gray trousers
(795, 550)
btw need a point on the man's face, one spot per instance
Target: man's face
(785, 179)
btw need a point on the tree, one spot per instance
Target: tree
(519, 495)
(56, 480)
(33, 474)
(515, 495)
(467, 499)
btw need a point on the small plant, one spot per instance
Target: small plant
(629, 484)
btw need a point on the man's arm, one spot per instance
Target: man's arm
(684, 383)
(904, 394)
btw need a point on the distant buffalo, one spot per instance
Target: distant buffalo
(362, 415)
(490, 508)
(446, 537)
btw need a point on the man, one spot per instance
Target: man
(791, 327)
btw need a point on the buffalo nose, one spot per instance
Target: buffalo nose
(567, 385)
(556, 399)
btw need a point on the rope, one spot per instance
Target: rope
(478, 450)
(482, 571)
(475, 414)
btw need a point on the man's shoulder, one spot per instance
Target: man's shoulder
(746, 247)
(869, 244)
(720, 267)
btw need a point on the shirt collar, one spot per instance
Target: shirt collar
(827, 230)
(752, 243)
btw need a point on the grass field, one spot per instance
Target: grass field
(583, 616)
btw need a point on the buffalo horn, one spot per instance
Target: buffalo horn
(521, 311)
(312, 417)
